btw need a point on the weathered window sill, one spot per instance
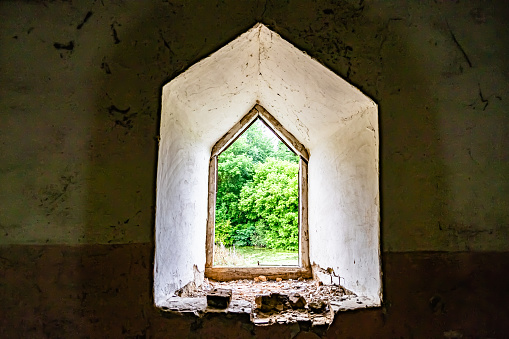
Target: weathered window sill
(270, 302)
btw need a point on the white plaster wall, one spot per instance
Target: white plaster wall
(198, 107)
(339, 125)
(308, 99)
(181, 216)
(344, 205)
(334, 120)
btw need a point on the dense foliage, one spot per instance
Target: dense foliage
(257, 193)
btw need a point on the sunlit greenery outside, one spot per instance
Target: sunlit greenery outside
(257, 200)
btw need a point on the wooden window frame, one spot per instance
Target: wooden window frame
(303, 269)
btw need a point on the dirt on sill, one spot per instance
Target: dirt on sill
(271, 301)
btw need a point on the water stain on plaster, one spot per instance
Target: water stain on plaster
(121, 117)
(87, 16)
(55, 194)
(114, 33)
(65, 46)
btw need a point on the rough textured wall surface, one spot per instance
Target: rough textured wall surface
(80, 86)
(80, 90)
(104, 291)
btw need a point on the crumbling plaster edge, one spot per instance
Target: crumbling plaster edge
(197, 308)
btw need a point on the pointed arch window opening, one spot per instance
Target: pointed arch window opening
(303, 268)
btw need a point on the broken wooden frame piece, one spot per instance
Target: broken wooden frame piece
(271, 272)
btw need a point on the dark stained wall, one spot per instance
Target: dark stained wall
(79, 112)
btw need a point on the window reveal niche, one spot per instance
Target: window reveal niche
(337, 123)
(303, 268)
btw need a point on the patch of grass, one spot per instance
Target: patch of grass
(260, 256)
(253, 256)
(227, 256)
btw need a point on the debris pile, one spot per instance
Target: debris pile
(278, 301)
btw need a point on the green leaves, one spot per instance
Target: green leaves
(271, 201)
(257, 197)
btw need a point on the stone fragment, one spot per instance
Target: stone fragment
(240, 306)
(256, 279)
(259, 298)
(296, 301)
(272, 302)
(262, 278)
(219, 298)
(186, 305)
(317, 306)
(261, 321)
(279, 279)
(319, 320)
(335, 305)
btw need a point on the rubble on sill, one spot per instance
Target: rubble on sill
(267, 302)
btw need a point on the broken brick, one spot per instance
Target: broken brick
(272, 302)
(317, 306)
(219, 298)
(296, 301)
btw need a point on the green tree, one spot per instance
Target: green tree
(235, 169)
(253, 143)
(271, 205)
(242, 165)
(284, 153)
